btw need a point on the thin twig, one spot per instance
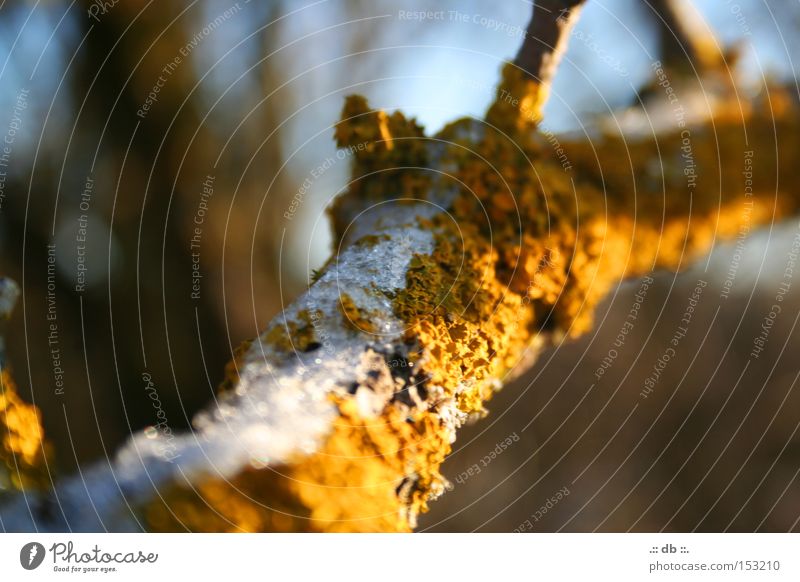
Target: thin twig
(525, 85)
(547, 38)
(685, 40)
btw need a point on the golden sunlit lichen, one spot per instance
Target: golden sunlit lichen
(293, 335)
(534, 238)
(371, 474)
(519, 101)
(354, 317)
(390, 157)
(470, 325)
(24, 450)
(232, 368)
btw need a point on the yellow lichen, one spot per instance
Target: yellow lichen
(540, 235)
(519, 101)
(232, 368)
(470, 325)
(369, 475)
(24, 450)
(389, 155)
(294, 335)
(354, 317)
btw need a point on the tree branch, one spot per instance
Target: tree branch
(457, 261)
(525, 86)
(684, 41)
(547, 37)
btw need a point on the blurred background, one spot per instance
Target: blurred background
(152, 149)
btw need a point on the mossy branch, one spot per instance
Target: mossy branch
(460, 256)
(525, 86)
